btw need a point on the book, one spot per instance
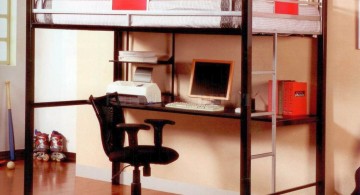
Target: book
(129, 4)
(279, 95)
(291, 8)
(295, 98)
(136, 54)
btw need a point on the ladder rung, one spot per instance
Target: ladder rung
(256, 156)
(263, 72)
(261, 113)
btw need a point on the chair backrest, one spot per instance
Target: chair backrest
(109, 113)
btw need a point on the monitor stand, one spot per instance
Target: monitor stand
(208, 101)
(215, 102)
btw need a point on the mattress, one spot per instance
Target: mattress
(307, 22)
(178, 13)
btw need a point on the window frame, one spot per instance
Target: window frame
(7, 39)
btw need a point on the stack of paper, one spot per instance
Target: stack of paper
(138, 56)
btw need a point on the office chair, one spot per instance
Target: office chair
(113, 127)
(357, 182)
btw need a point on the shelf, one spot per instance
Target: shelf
(162, 61)
(288, 120)
(228, 113)
(160, 107)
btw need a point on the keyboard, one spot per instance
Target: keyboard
(193, 106)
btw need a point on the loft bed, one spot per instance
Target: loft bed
(180, 14)
(242, 17)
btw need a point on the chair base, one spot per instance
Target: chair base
(136, 189)
(136, 184)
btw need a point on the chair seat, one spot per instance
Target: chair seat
(143, 154)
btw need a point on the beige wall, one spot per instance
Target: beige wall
(343, 127)
(15, 73)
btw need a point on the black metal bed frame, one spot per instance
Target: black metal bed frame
(246, 55)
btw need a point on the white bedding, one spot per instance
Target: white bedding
(158, 12)
(206, 5)
(269, 24)
(96, 6)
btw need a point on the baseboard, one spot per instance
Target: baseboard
(20, 155)
(70, 156)
(151, 182)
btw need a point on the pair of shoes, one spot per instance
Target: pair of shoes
(42, 144)
(57, 146)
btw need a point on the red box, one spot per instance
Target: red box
(295, 98)
(129, 4)
(287, 7)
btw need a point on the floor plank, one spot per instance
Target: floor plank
(59, 178)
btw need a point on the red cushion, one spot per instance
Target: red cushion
(129, 4)
(287, 8)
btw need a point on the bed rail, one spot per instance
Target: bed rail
(190, 18)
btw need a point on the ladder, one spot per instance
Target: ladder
(272, 153)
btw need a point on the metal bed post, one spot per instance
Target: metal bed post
(118, 45)
(246, 70)
(173, 67)
(29, 98)
(321, 103)
(127, 49)
(117, 75)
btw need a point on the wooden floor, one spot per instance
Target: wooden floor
(58, 178)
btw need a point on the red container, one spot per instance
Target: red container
(287, 7)
(129, 4)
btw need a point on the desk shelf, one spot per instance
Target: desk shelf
(288, 120)
(164, 60)
(160, 107)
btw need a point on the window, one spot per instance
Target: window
(5, 32)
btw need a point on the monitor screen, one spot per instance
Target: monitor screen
(211, 79)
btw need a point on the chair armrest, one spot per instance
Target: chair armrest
(132, 130)
(158, 125)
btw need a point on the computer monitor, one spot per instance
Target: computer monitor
(211, 79)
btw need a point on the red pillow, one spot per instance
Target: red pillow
(129, 4)
(287, 8)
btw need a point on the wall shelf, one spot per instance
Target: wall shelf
(163, 60)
